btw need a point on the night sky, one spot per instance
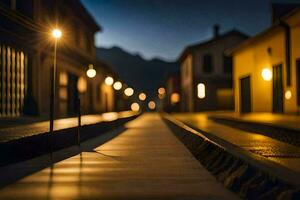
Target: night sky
(162, 28)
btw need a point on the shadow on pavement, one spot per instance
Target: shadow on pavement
(14, 172)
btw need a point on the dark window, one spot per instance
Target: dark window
(207, 63)
(227, 65)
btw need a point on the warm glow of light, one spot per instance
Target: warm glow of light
(288, 94)
(63, 79)
(175, 98)
(109, 81)
(135, 107)
(142, 96)
(266, 74)
(110, 116)
(118, 85)
(81, 85)
(129, 92)
(201, 90)
(151, 105)
(56, 33)
(91, 72)
(161, 91)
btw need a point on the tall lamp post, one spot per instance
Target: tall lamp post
(56, 34)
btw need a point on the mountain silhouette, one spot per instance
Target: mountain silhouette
(141, 74)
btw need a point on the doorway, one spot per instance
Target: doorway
(277, 89)
(72, 94)
(245, 94)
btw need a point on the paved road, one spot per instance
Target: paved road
(280, 152)
(146, 161)
(19, 131)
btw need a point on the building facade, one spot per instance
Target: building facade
(206, 73)
(27, 53)
(171, 102)
(267, 69)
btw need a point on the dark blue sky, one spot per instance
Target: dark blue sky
(162, 28)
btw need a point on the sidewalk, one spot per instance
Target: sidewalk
(34, 128)
(271, 119)
(281, 153)
(146, 161)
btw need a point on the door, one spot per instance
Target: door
(245, 94)
(72, 94)
(298, 82)
(277, 89)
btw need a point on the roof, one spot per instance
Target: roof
(190, 48)
(277, 24)
(85, 15)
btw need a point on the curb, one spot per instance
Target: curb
(36, 145)
(250, 176)
(284, 134)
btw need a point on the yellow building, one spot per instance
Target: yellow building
(266, 72)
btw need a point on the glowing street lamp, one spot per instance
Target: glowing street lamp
(129, 92)
(91, 72)
(117, 85)
(142, 96)
(135, 107)
(109, 81)
(56, 34)
(151, 105)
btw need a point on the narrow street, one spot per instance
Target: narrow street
(146, 161)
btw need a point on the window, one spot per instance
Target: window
(207, 63)
(13, 81)
(227, 65)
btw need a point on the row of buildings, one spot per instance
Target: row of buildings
(27, 53)
(247, 74)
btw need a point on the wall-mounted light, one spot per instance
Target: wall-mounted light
(109, 81)
(117, 85)
(288, 94)
(201, 90)
(266, 74)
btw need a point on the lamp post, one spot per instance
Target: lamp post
(56, 33)
(91, 73)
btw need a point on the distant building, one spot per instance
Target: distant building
(26, 58)
(206, 73)
(171, 102)
(267, 68)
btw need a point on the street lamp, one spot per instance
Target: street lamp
(56, 34)
(109, 80)
(117, 85)
(129, 92)
(91, 72)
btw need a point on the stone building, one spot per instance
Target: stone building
(26, 58)
(206, 73)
